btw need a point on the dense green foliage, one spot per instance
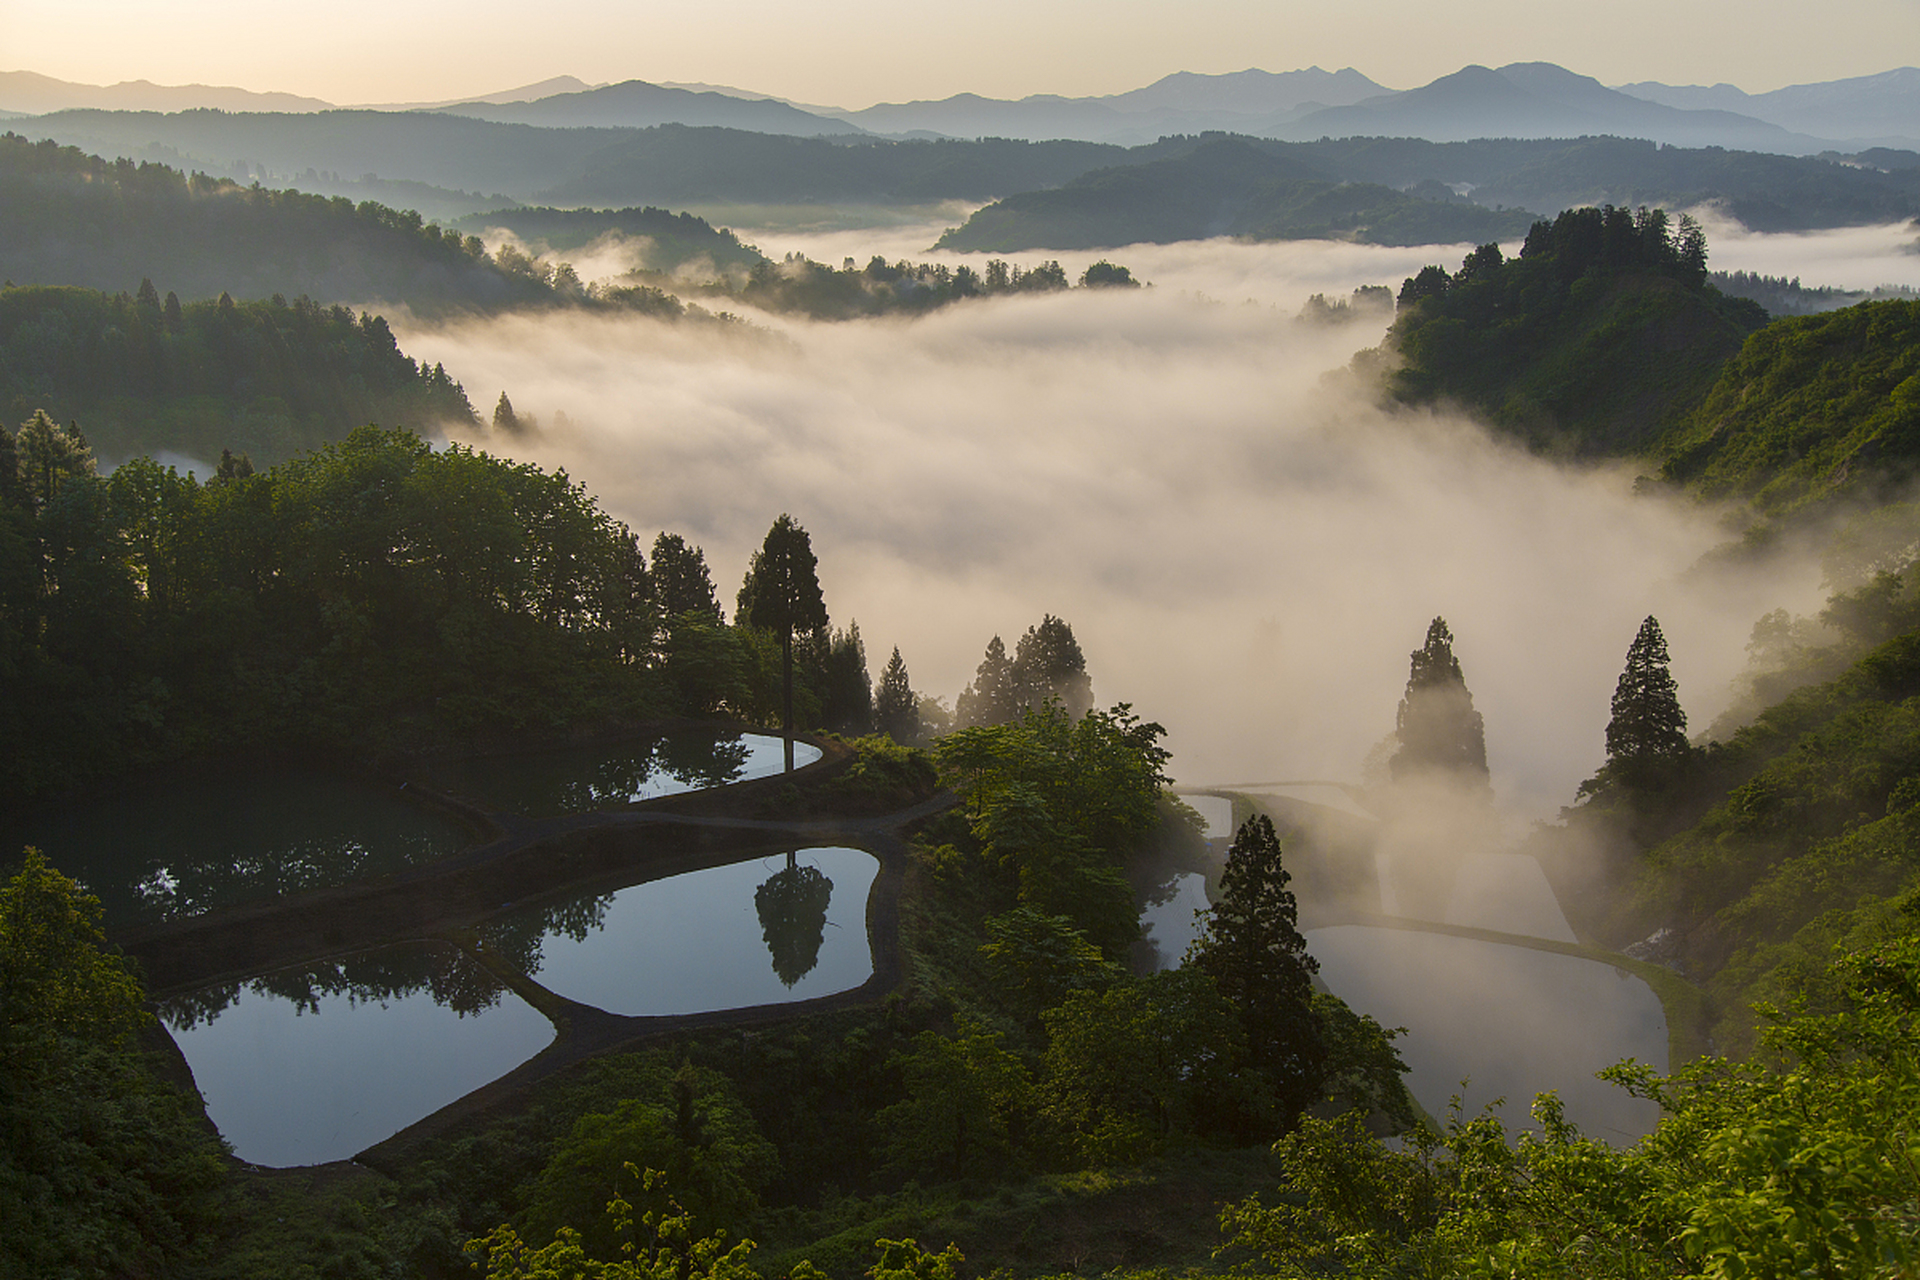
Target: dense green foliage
(1803, 1164)
(373, 594)
(104, 1169)
(1811, 407)
(266, 379)
(1223, 187)
(1252, 951)
(1597, 338)
(1047, 665)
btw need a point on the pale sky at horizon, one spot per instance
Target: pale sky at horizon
(853, 53)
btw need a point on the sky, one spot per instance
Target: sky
(853, 53)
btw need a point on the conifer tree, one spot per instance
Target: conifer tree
(992, 697)
(680, 580)
(1441, 735)
(896, 711)
(1647, 734)
(781, 594)
(504, 418)
(1047, 663)
(1253, 950)
(846, 694)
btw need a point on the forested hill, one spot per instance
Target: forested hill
(1226, 186)
(146, 374)
(671, 239)
(678, 164)
(75, 219)
(1811, 407)
(1599, 338)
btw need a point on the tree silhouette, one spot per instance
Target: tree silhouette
(896, 711)
(1441, 735)
(680, 580)
(991, 698)
(1253, 950)
(1047, 663)
(792, 905)
(1647, 735)
(781, 594)
(504, 418)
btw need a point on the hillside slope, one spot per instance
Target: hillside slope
(75, 219)
(1812, 407)
(1224, 187)
(1600, 337)
(262, 378)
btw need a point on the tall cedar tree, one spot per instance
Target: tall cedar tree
(1253, 950)
(681, 583)
(781, 594)
(1647, 735)
(1441, 735)
(896, 711)
(846, 691)
(1047, 663)
(991, 698)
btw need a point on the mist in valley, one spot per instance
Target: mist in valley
(1246, 546)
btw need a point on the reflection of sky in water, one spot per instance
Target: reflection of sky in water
(1516, 1021)
(1170, 925)
(292, 1087)
(1216, 812)
(201, 837)
(693, 942)
(582, 779)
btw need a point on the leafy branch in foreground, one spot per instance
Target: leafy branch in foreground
(1801, 1162)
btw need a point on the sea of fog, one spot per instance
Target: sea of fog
(1247, 547)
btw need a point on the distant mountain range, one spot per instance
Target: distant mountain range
(1521, 100)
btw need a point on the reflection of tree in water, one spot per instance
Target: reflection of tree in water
(793, 918)
(516, 938)
(453, 978)
(610, 779)
(578, 781)
(702, 762)
(184, 844)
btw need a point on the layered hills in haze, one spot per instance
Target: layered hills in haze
(1520, 100)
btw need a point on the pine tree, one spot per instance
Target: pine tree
(1047, 663)
(504, 418)
(992, 697)
(846, 694)
(896, 711)
(1647, 734)
(680, 580)
(1441, 735)
(1253, 950)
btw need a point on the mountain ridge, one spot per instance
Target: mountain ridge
(1529, 99)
